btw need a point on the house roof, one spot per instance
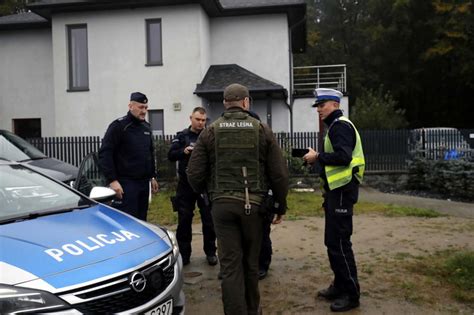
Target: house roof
(295, 10)
(23, 20)
(220, 76)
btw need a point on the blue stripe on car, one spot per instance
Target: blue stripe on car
(26, 245)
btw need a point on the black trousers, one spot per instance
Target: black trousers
(338, 208)
(187, 200)
(135, 197)
(239, 237)
(266, 251)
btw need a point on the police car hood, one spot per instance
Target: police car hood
(68, 249)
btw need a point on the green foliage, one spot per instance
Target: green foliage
(377, 110)
(421, 51)
(451, 178)
(8, 7)
(300, 204)
(455, 267)
(161, 211)
(397, 211)
(166, 169)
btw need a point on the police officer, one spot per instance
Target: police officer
(127, 160)
(237, 159)
(342, 168)
(185, 199)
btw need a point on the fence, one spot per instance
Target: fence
(386, 151)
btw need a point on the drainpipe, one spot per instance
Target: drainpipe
(291, 97)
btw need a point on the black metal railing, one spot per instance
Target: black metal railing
(385, 151)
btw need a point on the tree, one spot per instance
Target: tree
(422, 51)
(8, 7)
(376, 109)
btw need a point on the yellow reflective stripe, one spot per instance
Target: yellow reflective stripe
(339, 174)
(358, 161)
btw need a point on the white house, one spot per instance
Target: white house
(67, 68)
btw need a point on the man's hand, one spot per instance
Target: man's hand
(188, 149)
(155, 187)
(277, 219)
(115, 185)
(311, 156)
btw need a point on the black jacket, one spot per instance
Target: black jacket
(176, 152)
(127, 150)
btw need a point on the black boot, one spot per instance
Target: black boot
(344, 303)
(331, 293)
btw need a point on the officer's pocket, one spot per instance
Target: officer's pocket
(340, 202)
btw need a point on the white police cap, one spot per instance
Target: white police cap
(323, 94)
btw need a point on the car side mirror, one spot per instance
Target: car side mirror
(102, 194)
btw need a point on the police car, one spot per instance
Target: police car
(63, 252)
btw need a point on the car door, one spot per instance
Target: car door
(89, 175)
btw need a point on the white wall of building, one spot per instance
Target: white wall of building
(26, 80)
(305, 117)
(36, 86)
(260, 44)
(117, 58)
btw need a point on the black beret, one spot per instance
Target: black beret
(138, 97)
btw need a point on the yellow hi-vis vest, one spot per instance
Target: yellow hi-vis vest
(338, 176)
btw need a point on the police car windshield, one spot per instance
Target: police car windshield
(24, 192)
(15, 148)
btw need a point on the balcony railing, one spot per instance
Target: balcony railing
(306, 79)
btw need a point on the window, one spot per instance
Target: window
(156, 122)
(153, 43)
(28, 127)
(78, 58)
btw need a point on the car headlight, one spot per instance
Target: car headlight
(174, 243)
(171, 236)
(18, 300)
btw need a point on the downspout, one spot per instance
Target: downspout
(291, 97)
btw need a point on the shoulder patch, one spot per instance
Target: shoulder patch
(121, 118)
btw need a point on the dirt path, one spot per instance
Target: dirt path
(300, 267)
(382, 245)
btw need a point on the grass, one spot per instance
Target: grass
(300, 204)
(453, 267)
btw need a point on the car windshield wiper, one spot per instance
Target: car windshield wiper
(33, 159)
(34, 215)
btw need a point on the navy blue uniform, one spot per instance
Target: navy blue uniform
(186, 200)
(338, 226)
(127, 155)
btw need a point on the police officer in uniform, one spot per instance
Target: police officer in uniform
(237, 160)
(126, 158)
(342, 168)
(185, 199)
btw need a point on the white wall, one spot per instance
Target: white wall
(26, 78)
(305, 117)
(280, 114)
(117, 58)
(258, 43)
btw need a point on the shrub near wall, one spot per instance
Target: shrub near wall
(450, 178)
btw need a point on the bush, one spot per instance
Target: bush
(450, 178)
(376, 109)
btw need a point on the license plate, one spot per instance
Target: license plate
(162, 309)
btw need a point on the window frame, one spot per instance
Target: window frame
(148, 22)
(69, 28)
(150, 119)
